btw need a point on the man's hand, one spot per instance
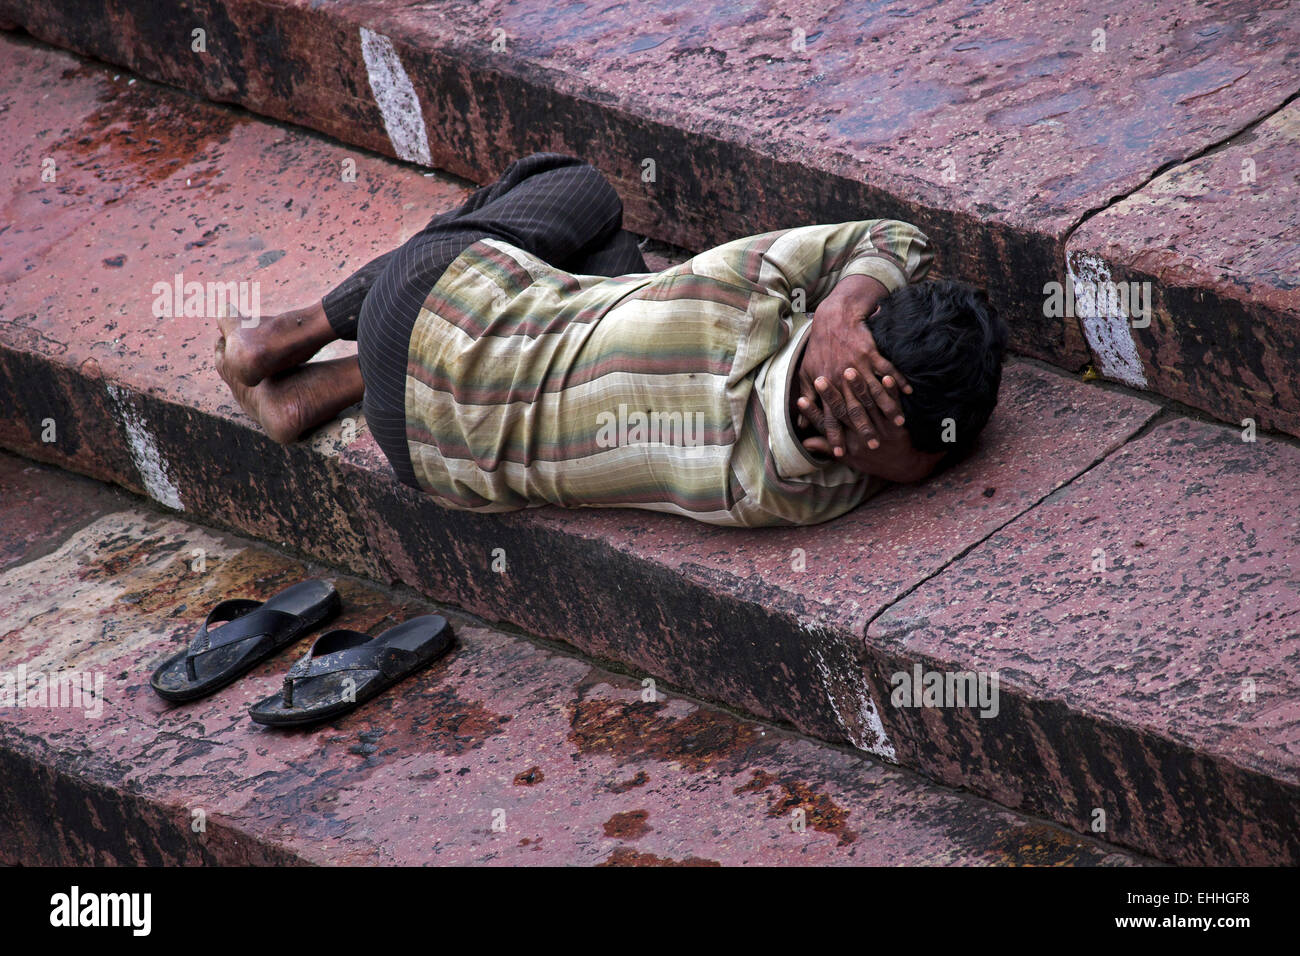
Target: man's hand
(840, 340)
(892, 456)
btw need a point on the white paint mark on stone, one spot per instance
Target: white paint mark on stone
(875, 742)
(1109, 335)
(870, 718)
(149, 461)
(396, 99)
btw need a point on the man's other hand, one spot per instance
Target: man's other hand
(890, 454)
(840, 339)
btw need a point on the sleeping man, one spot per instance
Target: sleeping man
(517, 353)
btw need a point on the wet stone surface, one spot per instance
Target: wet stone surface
(1218, 240)
(501, 752)
(730, 616)
(1160, 589)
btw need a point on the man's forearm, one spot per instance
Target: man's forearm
(852, 299)
(840, 339)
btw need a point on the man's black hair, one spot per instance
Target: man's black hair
(948, 342)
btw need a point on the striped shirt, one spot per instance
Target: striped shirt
(668, 391)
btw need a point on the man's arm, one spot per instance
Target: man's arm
(885, 256)
(839, 272)
(838, 341)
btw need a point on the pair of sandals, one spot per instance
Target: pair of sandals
(342, 671)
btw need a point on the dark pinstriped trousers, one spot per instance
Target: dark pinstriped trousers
(556, 207)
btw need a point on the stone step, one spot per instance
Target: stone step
(504, 752)
(1216, 241)
(1000, 139)
(777, 623)
(1155, 602)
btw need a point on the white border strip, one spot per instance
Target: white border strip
(1109, 336)
(149, 461)
(396, 99)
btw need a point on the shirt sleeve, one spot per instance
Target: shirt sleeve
(815, 258)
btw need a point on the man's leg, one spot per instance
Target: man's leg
(619, 256)
(555, 207)
(274, 343)
(250, 353)
(567, 210)
(341, 306)
(567, 204)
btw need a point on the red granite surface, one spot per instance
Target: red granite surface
(1158, 590)
(724, 614)
(503, 752)
(1218, 239)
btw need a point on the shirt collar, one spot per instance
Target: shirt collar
(790, 457)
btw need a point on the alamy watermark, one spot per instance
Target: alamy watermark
(75, 690)
(616, 430)
(207, 300)
(73, 909)
(1085, 298)
(922, 688)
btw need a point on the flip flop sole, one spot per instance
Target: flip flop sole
(328, 688)
(171, 682)
(170, 679)
(272, 713)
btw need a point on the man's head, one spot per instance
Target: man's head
(948, 342)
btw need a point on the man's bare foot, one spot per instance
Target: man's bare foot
(275, 344)
(290, 403)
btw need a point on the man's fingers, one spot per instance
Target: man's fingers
(862, 420)
(809, 414)
(881, 365)
(812, 411)
(881, 397)
(885, 369)
(869, 423)
(817, 445)
(878, 420)
(833, 402)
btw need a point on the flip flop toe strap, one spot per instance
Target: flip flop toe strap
(246, 619)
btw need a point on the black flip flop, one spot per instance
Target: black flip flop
(344, 669)
(254, 631)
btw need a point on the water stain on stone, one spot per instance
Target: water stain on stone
(623, 786)
(451, 724)
(310, 804)
(1036, 844)
(639, 729)
(178, 587)
(628, 825)
(119, 555)
(529, 777)
(820, 811)
(625, 856)
(149, 143)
